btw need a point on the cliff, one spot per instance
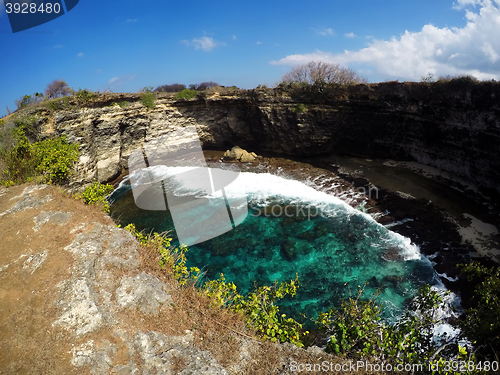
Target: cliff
(454, 127)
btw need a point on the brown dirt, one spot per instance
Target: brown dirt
(28, 342)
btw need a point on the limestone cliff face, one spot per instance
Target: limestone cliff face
(454, 127)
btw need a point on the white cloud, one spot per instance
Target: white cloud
(131, 20)
(349, 35)
(80, 55)
(258, 42)
(204, 43)
(118, 81)
(234, 37)
(58, 46)
(473, 49)
(326, 31)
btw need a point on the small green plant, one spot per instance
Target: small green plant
(299, 108)
(85, 96)
(186, 94)
(29, 100)
(260, 308)
(356, 329)
(175, 259)
(171, 259)
(96, 193)
(123, 104)
(148, 99)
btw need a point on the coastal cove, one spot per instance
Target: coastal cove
(452, 129)
(436, 231)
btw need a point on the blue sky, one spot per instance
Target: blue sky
(126, 45)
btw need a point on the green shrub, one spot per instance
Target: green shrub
(299, 108)
(260, 308)
(186, 94)
(28, 100)
(356, 329)
(85, 96)
(148, 99)
(58, 104)
(7, 140)
(20, 160)
(96, 193)
(49, 160)
(171, 259)
(28, 125)
(123, 104)
(482, 321)
(55, 158)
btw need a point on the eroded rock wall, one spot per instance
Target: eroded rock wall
(455, 128)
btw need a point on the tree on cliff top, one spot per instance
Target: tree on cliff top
(315, 72)
(57, 88)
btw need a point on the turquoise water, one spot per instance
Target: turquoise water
(293, 229)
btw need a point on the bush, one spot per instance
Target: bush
(356, 329)
(173, 260)
(55, 158)
(148, 99)
(202, 86)
(20, 161)
(85, 96)
(97, 193)
(260, 308)
(7, 140)
(50, 160)
(299, 108)
(186, 94)
(316, 72)
(176, 87)
(123, 104)
(482, 321)
(29, 100)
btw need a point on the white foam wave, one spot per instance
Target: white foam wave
(262, 189)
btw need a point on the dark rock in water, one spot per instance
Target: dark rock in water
(292, 249)
(392, 254)
(394, 280)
